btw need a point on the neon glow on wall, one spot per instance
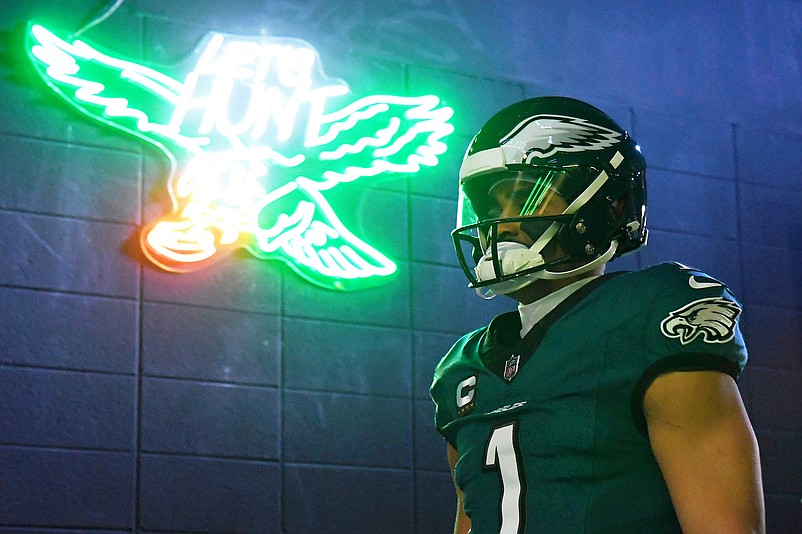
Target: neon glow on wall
(253, 149)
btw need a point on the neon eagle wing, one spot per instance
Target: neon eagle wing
(299, 226)
(122, 94)
(376, 135)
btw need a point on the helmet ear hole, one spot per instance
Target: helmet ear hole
(617, 212)
(594, 227)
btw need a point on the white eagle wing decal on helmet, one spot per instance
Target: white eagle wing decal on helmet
(712, 318)
(542, 136)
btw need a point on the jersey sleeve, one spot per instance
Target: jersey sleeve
(692, 325)
(453, 385)
(441, 392)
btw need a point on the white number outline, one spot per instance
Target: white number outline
(503, 455)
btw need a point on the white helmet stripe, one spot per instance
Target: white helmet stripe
(594, 187)
(545, 237)
(490, 160)
(587, 194)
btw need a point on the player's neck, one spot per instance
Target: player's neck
(543, 288)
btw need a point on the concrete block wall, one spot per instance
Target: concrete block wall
(242, 399)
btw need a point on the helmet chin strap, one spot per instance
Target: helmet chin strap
(601, 260)
(508, 286)
(513, 257)
(523, 258)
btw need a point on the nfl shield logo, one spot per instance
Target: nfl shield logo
(511, 367)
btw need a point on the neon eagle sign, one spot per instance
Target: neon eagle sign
(252, 149)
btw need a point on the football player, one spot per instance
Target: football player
(606, 402)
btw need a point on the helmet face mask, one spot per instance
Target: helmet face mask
(481, 239)
(547, 182)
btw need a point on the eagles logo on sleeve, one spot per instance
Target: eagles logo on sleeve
(711, 318)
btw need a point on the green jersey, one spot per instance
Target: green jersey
(549, 429)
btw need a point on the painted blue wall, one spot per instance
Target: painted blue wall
(241, 399)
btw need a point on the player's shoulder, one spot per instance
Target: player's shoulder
(457, 365)
(672, 279)
(466, 351)
(666, 291)
(673, 269)
(669, 272)
(690, 304)
(459, 352)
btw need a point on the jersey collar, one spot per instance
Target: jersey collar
(501, 346)
(533, 312)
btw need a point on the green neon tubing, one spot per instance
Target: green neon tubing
(255, 177)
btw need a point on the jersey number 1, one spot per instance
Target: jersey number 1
(502, 454)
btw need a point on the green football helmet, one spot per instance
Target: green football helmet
(550, 187)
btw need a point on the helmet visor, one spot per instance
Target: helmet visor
(531, 192)
(533, 196)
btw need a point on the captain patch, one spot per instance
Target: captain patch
(711, 318)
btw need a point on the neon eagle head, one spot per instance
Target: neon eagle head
(253, 148)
